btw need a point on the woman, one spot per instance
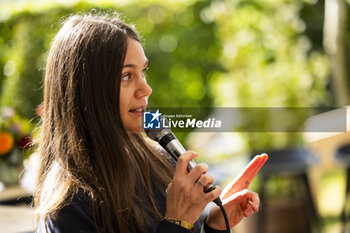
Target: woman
(97, 172)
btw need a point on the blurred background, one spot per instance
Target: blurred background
(206, 54)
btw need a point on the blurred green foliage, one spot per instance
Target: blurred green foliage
(243, 53)
(270, 61)
(175, 40)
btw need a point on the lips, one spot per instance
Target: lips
(138, 110)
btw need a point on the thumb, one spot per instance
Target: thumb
(236, 197)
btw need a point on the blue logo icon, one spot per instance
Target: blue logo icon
(151, 120)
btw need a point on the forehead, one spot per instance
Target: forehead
(135, 54)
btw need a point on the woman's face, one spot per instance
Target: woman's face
(134, 90)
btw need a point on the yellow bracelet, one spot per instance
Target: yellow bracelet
(182, 223)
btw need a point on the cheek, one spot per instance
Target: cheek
(123, 101)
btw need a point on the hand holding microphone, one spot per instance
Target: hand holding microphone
(191, 188)
(184, 199)
(169, 142)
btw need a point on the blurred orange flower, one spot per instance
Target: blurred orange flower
(6, 142)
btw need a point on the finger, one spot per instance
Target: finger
(252, 202)
(250, 171)
(197, 172)
(257, 166)
(255, 201)
(206, 179)
(247, 174)
(182, 163)
(236, 197)
(248, 212)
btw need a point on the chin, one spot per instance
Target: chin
(133, 126)
(134, 129)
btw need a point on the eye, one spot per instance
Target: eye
(126, 77)
(144, 72)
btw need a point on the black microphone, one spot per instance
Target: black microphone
(171, 144)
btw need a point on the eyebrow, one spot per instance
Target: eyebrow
(133, 65)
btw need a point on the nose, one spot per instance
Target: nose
(143, 90)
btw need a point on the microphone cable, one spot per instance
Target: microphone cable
(226, 218)
(218, 202)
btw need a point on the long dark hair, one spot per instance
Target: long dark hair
(83, 144)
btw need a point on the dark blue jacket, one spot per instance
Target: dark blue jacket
(77, 217)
